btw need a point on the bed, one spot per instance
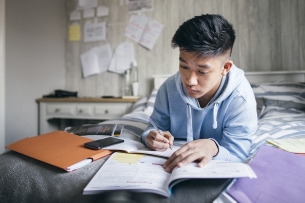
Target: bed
(281, 112)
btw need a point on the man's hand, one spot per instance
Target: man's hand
(201, 150)
(159, 142)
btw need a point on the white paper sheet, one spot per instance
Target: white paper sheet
(75, 15)
(94, 31)
(143, 30)
(151, 33)
(96, 60)
(86, 4)
(88, 13)
(104, 55)
(89, 63)
(122, 58)
(140, 5)
(136, 27)
(102, 11)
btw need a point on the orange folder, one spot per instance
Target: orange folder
(57, 148)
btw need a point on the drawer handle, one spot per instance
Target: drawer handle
(56, 110)
(80, 111)
(106, 111)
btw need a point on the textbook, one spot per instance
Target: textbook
(144, 173)
(60, 149)
(280, 179)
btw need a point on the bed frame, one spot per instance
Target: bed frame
(253, 77)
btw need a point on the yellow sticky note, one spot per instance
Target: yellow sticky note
(74, 33)
(127, 158)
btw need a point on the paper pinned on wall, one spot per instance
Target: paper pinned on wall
(143, 30)
(88, 13)
(86, 4)
(74, 32)
(104, 55)
(122, 58)
(140, 5)
(96, 60)
(151, 33)
(94, 31)
(75, 15)
(102, 11)
(136, 27)
(89, 62)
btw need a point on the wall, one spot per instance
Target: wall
(2, 78)
(270, 36)
(35, 61)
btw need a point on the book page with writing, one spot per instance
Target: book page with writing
(137, 172)
(132, 146)
(214, 169)
(294, 145)
(145, 173)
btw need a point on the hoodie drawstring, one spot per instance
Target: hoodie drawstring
(189, 124)
(215, 111)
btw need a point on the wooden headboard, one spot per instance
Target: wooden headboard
(253, 77)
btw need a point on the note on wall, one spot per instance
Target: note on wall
(94, 31)
(104, 55)
(86, 4)
(89, 64)
(75, 15)
(140, 5)
(122, 58)
(74, 32)
(136, 27)
(96, 60)
(143, 30)
(88, 13)
(102, 11)
(151, 33)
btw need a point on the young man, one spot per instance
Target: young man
(209, 103)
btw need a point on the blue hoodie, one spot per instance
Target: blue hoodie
(229, 119)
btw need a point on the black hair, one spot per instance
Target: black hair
(206, 35)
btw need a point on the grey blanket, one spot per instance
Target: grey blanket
(24, 179)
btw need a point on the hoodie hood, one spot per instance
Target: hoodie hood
(228, 84)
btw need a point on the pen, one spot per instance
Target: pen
(155, 126)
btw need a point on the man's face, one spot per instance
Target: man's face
(201, 76)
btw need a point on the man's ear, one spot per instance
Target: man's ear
(226, 67)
